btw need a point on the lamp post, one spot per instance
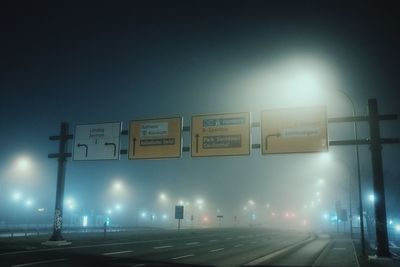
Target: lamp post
(312, 74)
(357, 154)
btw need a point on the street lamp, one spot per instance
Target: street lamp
(117, 186)
(371, 198)
(28, 203)
(70, 203)
(23, 164)
(16, 196)
(163, 197)
(321, 182)
(21, 167)
(357, 154)
(309, 73)
(199, 201)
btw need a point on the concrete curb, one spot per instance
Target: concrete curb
(323, 253)
(280, 252)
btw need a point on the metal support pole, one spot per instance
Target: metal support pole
(378, 183)
(58, 214)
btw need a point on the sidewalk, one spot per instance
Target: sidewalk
(340, 252)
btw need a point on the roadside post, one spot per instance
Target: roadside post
(105, 229)
(220, 217)
(57, 239)
(179, 215)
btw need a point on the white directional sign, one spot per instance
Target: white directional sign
(221, 134)
(155, 138)
(97, 141)
(294, 130)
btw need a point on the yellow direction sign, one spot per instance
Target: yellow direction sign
(155, 138)
(221, 134)
(294, 130)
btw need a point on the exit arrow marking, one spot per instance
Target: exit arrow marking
(112, 144)
(268, 136)
(86, 148)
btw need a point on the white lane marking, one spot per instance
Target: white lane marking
(228, 238)
(355, 254)
(117, 252)
(238, 245)
(89, 246)
(339, 248)
(161, 247)
(215, 250)
(253, 242)
(213, 240)
(38, 262)
(192, 243)
(182, 257)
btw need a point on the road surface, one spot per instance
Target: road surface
(191, 247)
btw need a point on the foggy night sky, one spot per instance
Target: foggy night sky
(92, 62)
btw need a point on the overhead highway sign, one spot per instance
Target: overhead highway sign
(155, 138)
(294, 130)
(221, 134)
(99, 141)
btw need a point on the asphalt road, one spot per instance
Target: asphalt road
(206, 247)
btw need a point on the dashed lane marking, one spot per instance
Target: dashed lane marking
(192, 243)
(161, 247)
(38, 262)
(215, 250)
(117, 252)
(89, 246)
(182, 257)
